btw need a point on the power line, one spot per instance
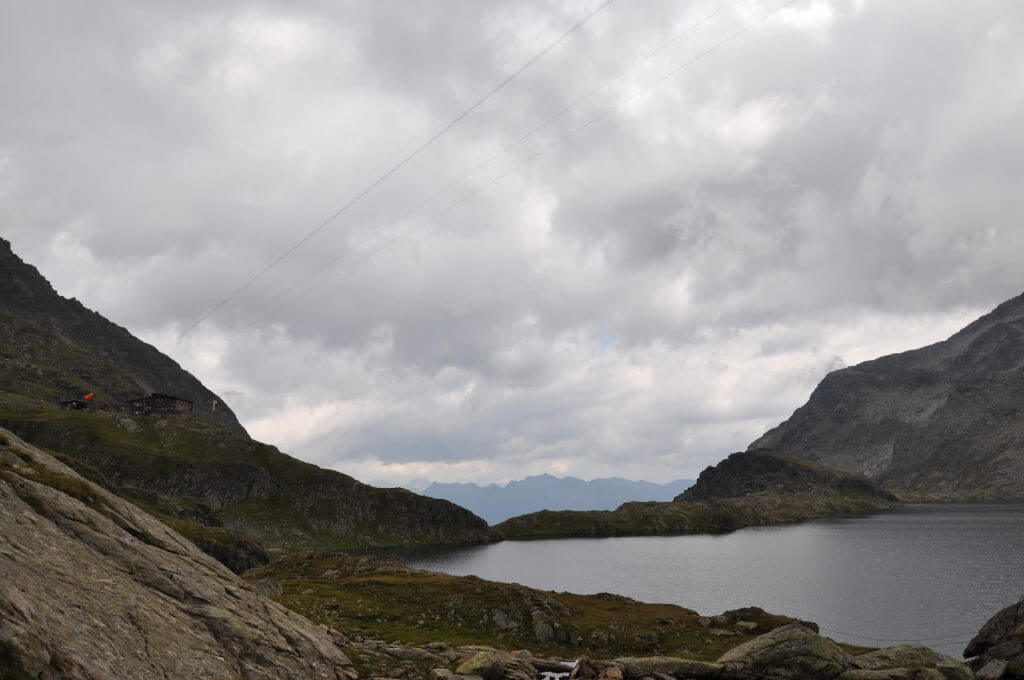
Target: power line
(373, 251)
(395, 168)
(522, 138)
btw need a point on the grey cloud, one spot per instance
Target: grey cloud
(653, 292)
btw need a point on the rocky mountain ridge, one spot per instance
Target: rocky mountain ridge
(945, 420)
(751, 488)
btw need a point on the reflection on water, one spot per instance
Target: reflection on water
(927, 573)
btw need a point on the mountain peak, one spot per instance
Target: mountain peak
(945, 419)
(56, 346)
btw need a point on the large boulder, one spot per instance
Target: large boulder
(494, 664)
(92, 587)
(998, 648)
(791, 652)
(909, 659)
(653, 666)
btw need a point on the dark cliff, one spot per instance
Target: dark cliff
(946, 419)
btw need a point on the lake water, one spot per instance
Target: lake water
(927, 573)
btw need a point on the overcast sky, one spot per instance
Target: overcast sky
(840, 180)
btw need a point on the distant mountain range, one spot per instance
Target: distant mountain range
(546, 492)
(946, 420)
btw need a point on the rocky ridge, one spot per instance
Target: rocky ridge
(91, 588)
(945, 420)
(753, 488)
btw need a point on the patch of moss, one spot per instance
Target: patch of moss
(384, 600)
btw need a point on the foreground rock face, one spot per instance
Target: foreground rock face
(91, 587)
(998, 648)
(943, 420)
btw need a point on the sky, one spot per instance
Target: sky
(735, 199)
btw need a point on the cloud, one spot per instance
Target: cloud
(836, 182)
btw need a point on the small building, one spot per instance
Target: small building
(73, 404)
(158, 405)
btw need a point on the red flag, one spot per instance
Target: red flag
(89, 396)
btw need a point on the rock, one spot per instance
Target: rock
(998, 648)
(268, 587)
(492, 664)
(992, 670)
(722, 632)
(635, 668)
(913, 657)
(92, 587)
(792, 651)
(747, 626)
(585, 669)
(412, 654)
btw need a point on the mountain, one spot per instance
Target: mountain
(497, 503)
(944, 420)
(52, 346)
(236, 497)
(93, 587)
(749, 488)
(752, 473)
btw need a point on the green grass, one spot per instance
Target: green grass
(382, 599)
(252, 489)
(671, 518)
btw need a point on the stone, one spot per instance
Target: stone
(913, 657)
(747, 626)
(492, 664)
(412, 654)
(268, 587)
(635, 668)
(999, 645)
(156, 605)
(791, 651)
(992, 670)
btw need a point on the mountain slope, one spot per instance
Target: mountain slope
(53, 346)
(750, 488)
(235, 497)
(92, 587)
(497, 503)
(946, 419)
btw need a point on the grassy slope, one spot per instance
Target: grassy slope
(211, 483)
(381, 598)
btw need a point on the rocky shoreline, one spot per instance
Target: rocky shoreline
(94, 588)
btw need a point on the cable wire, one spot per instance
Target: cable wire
(395, 168)
(368, 254)
(522, 138)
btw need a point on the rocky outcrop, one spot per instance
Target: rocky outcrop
(769, 472)
(998, 648)
(944, 420)
(93, 588)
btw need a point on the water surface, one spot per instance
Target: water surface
(928, 573)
